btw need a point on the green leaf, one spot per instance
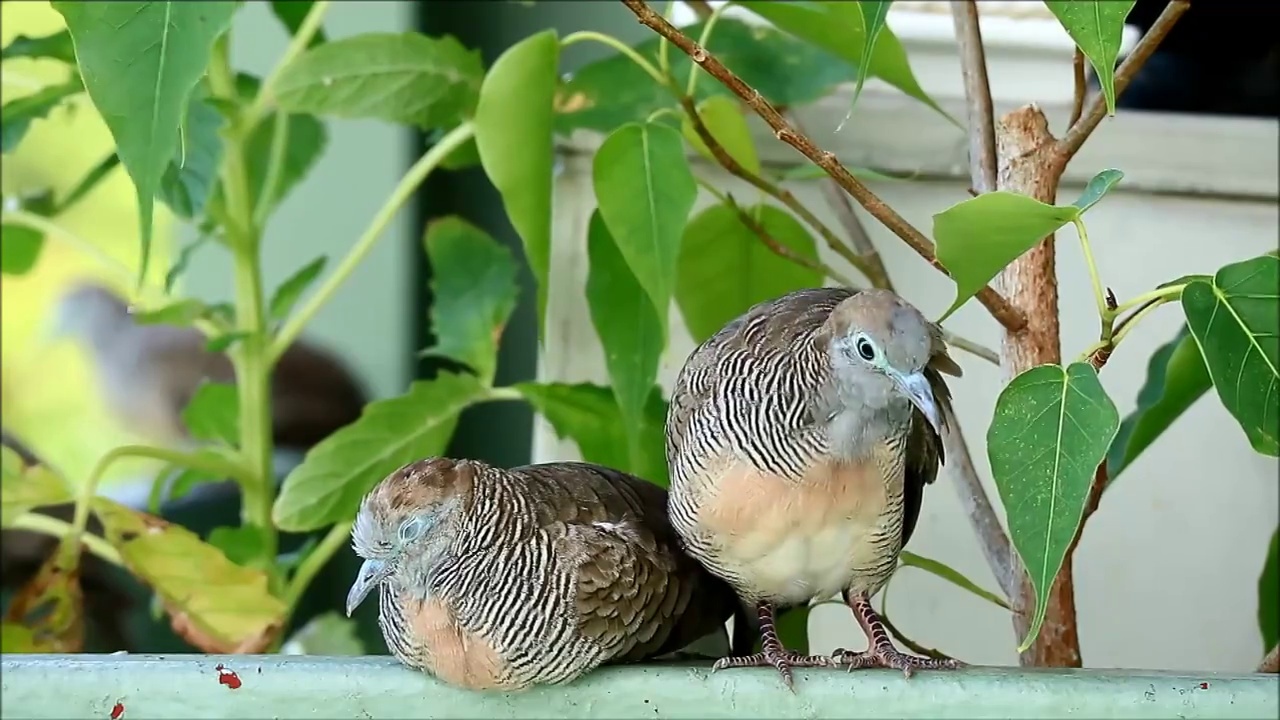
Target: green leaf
(630, 332)
(24, 488)
(292, 288)
(1051, 430)
(645, 190)
(1269, 595)
(473, 290)
(793, 629)
(165, 47)
(1097, 188)
(329, 484)
(977, 238)
(1236, 322)
(871, 16)
(836, 28)
(20, 248)
(56, 47)
(88, 183)
(608, 93)
(589, 415)
(17, 638)
(180, 265)
(327, 634)
(951, 575)
(1097, 29)
(726, 268)
(223, 606)
(466, 155)
(166, 490)
(193, 170)
(212, 414)
(182, 313)
(221, 343)
(291, 13)
(16, 115)
(305, 143)
(1176, 378)
(514, 138)
(723, 118)
(404, 78)
(242, 544)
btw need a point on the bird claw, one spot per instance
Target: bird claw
(891, 657)
(780, 660)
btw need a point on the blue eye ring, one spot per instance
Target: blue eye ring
(410, 529)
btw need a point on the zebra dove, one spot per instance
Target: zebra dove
(503, 579)
(800, 438)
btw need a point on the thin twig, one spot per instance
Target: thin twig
(1008, 316)
(1271, 663)
(970, 346)
(783, 251)
(977, 90)
(783, 195)
(1077, 101)
(982, 514)
(877, 274)
(1070, 144)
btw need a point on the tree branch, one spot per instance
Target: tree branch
(977, 90)
(1077, 100)
(1006, 314)
(982, 515)
(782, 250)
(1070, 144)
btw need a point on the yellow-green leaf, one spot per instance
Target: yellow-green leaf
(1051, 430)
(26, 487)
(951, 575)
(723, 118)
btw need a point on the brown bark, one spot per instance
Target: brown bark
(1029, 164)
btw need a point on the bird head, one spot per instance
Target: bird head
(85, 308)
(404, 525)
(880, 347)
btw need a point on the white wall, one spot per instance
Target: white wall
(1166, 574)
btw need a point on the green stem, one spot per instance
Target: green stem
(616, 44)
(1132, 321)
(211, 464)
(1099, 294)
(54, 527)
(692, 83)
(499, 394)
(306, 31)
(314, 562)
(1163, 294)
(408, 184)
(712, 190)
(664, 45)
(275, 169)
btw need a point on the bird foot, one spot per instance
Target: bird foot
(781, 660)
(887, 656)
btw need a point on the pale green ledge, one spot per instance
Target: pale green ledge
(274, 686)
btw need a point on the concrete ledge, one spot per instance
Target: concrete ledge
(193, 686)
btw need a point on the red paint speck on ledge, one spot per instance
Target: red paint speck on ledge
(1204, 686)
(228, 677)
(117, 711)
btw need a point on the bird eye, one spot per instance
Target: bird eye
(410, 529)
(865, 349)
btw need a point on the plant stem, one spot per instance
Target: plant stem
(292, 328)
(692, 83)
(45, 525)
(1005, 313)
(275, 169)
(211, 464)
(1077, 100)
(664, 46)
(1099, 294)
(977, 89)
(1165, 293)
(501, 394)
(314, 562)
(616, 44)
(301, 39)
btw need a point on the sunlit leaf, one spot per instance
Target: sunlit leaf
(26, 487)
(724, 120)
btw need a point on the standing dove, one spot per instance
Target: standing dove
(502, 579)
(800, 438)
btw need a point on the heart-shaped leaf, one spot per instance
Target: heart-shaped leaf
(514, 139)
(723, 118)
(474, 292)
(645, 190)
(726, 268)
(623, 316)
(1097, 29)
(1236, 322)
(1051, 430)
(329, 484)
(1176, 378)
(404, 78)
(165, 47)
(871, 15)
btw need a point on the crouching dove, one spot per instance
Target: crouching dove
(502, 579)
(800, 438)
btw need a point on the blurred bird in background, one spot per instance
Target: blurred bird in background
(502, 579)
(800, 438)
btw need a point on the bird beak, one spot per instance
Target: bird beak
(372, 573)
(917, 389)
